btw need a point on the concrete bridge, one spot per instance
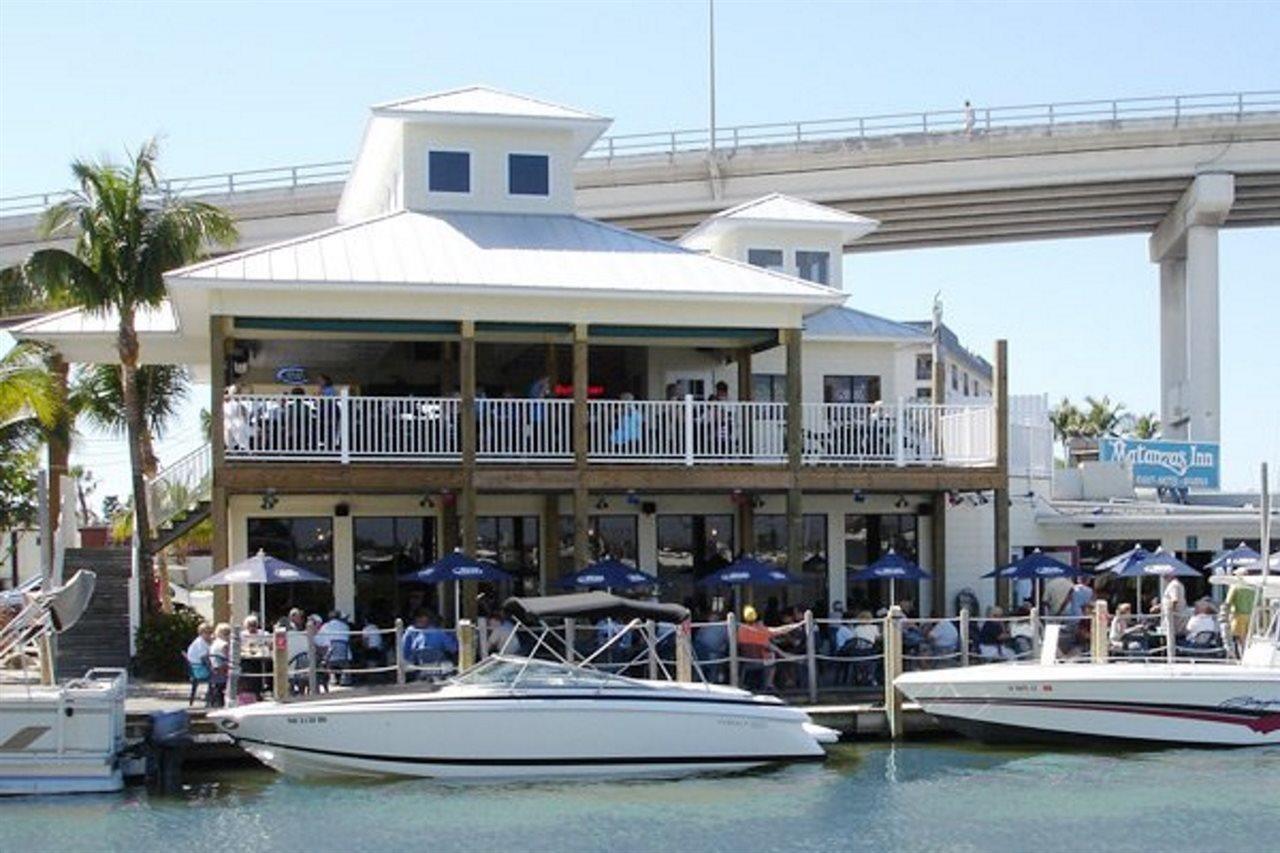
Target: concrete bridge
(1177, 168)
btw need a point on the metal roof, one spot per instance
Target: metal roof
(843, 323)
(952, 348)
(484, 100)
(78, 321)
(779, 210)
(511, 252)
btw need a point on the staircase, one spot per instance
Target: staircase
(101, 637)
(180, 525)
(178, 496)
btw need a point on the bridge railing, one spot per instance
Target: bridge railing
(976, 120)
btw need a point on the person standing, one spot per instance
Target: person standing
(968, 118)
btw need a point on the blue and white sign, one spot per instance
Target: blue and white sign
(1178, 464)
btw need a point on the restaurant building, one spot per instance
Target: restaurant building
(465, 362)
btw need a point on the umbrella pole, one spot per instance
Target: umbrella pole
(737, 601)
(893, 595)
(1037, 597)
(1138, 596)
(262, 603)
(457, 602)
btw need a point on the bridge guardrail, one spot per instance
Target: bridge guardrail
(975, 120)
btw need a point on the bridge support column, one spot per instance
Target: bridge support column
(1185, 244)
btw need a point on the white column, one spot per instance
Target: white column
(1203, 393)
(1173, 347)
(344, 567)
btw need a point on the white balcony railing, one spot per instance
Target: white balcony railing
(677, 432)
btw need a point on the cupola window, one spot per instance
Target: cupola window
(448, 172)
(528, 174)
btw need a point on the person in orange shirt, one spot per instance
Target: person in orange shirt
(755, 647)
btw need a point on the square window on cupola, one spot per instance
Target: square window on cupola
(448, 172)
(528, 174)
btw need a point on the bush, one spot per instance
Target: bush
(162, 640)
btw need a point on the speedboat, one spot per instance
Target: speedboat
(525, 716)
(1153, 702)
(56, 738)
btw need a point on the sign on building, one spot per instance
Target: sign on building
(1176, 464)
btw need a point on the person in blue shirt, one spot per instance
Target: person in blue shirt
(426, 642)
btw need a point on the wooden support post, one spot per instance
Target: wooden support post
(892, 667)
(731, 625)
(1099, 633)
(570, 639)
(938, 549)
(581, 513)
(684, 651)
(1001, 514)
(399, 651)
(57, 458)
(965, 627)
(220, 545)
(466, 644)
(231, 693)
(279, 663)
(549, 543)
(467, 389)
(795, 450)
(811, 655)
(746, 392)
(219, 345)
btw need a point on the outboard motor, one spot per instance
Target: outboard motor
(166, 746)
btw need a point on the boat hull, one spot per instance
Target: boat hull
(1206, 705)
(462, 734)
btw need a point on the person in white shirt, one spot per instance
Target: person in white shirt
(1205, 619)
(1120, 624)
(336, 630)
(943, 637)
(866, 629)
(220, 648)
(371, 636)
(1174, 601)
(198, 651)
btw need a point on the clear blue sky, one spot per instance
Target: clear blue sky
(233, 85)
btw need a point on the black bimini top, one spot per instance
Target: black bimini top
(592, 605)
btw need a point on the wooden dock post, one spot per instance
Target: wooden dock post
(811, 655)
(570, 635)
(964, 636)
(731, 625)
(400, 679)
(684, 652)
(892, 667)
(1098, 632)
(313, 665)
(466, 644)
(280, 664)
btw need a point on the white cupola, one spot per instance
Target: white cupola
(475, 149)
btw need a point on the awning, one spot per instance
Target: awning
(592, 605)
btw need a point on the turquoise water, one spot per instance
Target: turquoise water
(926, 796)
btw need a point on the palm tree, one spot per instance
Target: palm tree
(1146, 426)
(128, 233)
(1102, 417)
(98, 395)
(29, 406)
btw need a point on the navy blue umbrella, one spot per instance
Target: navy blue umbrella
(1161, 564)
(892, 567)
(1120, 562)
(608, 574)
(456, 567)
(1240, 556)
(1035, 565)
(262, 569)
(749, 570)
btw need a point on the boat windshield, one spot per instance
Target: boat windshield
(507, 672)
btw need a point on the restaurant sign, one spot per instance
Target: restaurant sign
(1176, 464)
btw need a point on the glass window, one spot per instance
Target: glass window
(966, 384)
(924, 366)
(955, 378)
(386, 547)
(512, 542)
(814, 266)
(770, 259)
(689, 548)
(528, 174)
(850, 389)
(924, 393)
(609, 536)
(448, 172)
(867, 538)
(769, 542)
(306, 543)
(769, 387)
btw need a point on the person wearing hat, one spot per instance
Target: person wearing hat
(755, 647)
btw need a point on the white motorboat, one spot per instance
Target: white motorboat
(512, 717)
(1161, 702)
(57, 738)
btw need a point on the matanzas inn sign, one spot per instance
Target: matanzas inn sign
(1180, 464)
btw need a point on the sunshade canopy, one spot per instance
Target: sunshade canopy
(591, 605)
(1119, 563)
(1032, 566)
(262, 568)
(749, 570)
(891, 567)
(608, 574)
(1161, 564)
(1234, 558)
(457, 566)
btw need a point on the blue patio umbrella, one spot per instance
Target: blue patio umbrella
(892, 567)
(608, 574)
(1158, 564)
(1036, 566)
(262, 569)
(1241, 556)
(748, 571)
(1120, 562)
(457, 567)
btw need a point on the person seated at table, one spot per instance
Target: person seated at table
(1022, 634)
(501, 627)
(297, 620)
(197, 656)
(425, 642)
(371, 642)
(219, 663)
(755, 647)
(993, 637)
(943, 638)
(1203, 621)
(1121, 624)
(252, 633)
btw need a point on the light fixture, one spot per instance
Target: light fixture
(602, 504)
(901, 502)
(425, 501)
(633, 499)
(270, 499)
(859, 496)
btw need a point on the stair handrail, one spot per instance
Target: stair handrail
(180, 486)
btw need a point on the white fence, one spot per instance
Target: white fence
(676, 432)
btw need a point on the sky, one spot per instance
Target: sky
(236, 85)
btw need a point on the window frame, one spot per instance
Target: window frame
(471, 170)
(879, 386)
(782, 258)
(546, 155)
(825, 253)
